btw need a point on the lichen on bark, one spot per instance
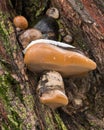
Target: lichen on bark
(15, 100)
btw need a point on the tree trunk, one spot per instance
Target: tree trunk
(20, 108)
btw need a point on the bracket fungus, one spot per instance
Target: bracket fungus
(20, 22)
(48, 55)
(51, 90)
(42, 54)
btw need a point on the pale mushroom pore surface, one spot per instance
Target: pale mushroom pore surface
(56, 43)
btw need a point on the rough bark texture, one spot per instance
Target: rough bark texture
(20, 108)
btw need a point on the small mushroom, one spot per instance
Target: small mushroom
(29, 35)
(48, 24)
(54, 58)
(68, 39)
(20, 22)
(53, 12)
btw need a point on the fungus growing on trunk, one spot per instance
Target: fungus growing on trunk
(29, 35)
(53, 12)
(48, 55)
(51, 90)
(44, 55)
(20, 22)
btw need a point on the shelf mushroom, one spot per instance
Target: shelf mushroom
(51, 90)
(52, 56)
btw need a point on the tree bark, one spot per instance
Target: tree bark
(20, 108)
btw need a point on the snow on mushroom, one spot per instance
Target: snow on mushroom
(52, 56)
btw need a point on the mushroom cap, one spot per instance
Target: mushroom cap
(41, 56)
(20, 22)
(54, 99)
(53, 12)
(29, 35)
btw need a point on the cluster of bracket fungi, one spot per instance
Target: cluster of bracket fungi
(43, 54)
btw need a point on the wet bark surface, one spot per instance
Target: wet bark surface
(19, 103)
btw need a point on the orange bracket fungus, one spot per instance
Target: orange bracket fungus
(20, 22)
(56, 59)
